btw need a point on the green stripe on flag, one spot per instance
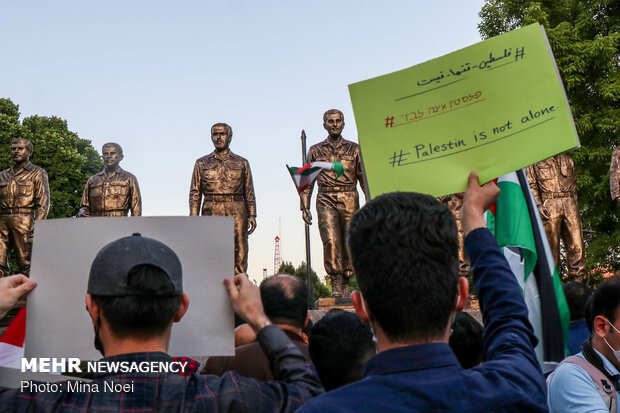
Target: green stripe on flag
(513, 226)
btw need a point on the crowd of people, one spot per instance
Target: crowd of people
(408, 347)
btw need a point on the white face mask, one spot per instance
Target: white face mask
(616, 352)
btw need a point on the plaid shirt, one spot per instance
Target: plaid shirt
(191, 367)
(160, 392)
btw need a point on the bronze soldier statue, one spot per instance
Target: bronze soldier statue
(553, 184)
(455, 203)
(614, 176)
(222, 181)
(112, 192)
(337, 199)
(24, 197)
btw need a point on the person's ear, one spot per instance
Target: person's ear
(599, 326)
(92, 308)
(182, 308)
(463, 294)
(360, 306)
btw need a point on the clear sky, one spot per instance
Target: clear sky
(155, 75)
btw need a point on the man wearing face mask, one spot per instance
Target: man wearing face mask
(588, 381)
(134, 296)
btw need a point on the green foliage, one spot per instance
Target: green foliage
(68, 159)
(585, 39)
(319, 290)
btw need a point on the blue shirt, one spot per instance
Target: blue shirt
(572, 390)
(577, 333)
(429, 378)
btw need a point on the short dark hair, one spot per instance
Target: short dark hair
(113, 144)
(577, 294)
(27, 143)
(404, 248)
(605, 300)
(339, 346)
(285, 299)
(331, 112)
(466, 340)
(144, 315)
(227, 126)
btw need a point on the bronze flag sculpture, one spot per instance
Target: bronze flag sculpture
(222, 182)
(337, 199)
(112, 192)
(553, 184)
(24, 197)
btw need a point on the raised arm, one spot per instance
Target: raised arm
(296, 381)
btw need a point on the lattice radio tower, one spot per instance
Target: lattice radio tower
(277, 261)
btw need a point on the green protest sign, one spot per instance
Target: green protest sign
(493, 107)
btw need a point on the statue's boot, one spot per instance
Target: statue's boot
(340, 286)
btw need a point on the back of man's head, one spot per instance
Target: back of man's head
(466, 340)
(144, 315)
(577, 294)
(285, 299)
(404, 248)
(340, 344)
(137, 284)
(605, 301)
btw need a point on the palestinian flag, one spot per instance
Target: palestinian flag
(304, 177)
(12, 341)
(517, 226)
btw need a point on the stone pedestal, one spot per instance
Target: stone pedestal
(327, 304)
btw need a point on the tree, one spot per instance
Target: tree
(10, 128)
(585, 39)
(319, 290)
(68, 159)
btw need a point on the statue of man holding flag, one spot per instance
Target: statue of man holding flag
(337, 198)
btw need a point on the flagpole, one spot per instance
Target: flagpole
(308, 266)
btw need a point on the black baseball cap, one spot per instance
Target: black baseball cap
(109, 270)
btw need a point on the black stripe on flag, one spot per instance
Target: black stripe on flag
(553, 343)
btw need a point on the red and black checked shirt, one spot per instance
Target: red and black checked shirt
(171, 392)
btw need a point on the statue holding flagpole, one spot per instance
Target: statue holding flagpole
(337, 198)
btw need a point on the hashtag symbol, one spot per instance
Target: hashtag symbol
(398, 158)
(520, 53)
(389, 121)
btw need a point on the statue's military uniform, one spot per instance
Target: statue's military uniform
(455, 203)
(111, 195)
(24, 197)
(553, 184)
(224, 185)
(336, 202)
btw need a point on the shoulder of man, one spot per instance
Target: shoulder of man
(237, 158)
(126, 174)
(320, 145)
(95, 177)
(205, 158)
(34, 167)
(572, 389)
(350, 398)
(350, 143)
